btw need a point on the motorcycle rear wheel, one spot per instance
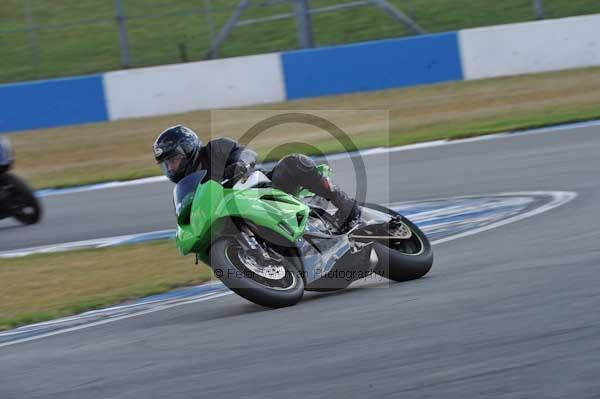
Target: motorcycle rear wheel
(403, 259)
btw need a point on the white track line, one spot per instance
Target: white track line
(559, 198)
(100, 186)
(93, 243)
(101, 322)
(116, 240)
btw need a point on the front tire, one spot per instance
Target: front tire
(228, 265)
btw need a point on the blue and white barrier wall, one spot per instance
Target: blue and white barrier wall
(49, 103)
(372, 66)
(468, 54)
(162, 90)
(541, 46)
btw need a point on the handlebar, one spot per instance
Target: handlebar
(247, 168)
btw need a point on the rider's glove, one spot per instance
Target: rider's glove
(236, 169)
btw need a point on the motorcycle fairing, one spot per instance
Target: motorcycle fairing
(212, 204)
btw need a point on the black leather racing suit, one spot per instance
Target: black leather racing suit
(293, 172)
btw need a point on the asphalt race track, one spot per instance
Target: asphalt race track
(508, 313)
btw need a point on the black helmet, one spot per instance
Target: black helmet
(176, 150)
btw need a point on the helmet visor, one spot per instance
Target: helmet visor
(173, 165)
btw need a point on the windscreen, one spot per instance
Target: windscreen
(186, 187)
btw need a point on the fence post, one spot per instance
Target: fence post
(538, 7)
(305, 32)
(34, 52)
(227, 28)
(209, 19)
(398, 16)
(411, 9)
(123, 39)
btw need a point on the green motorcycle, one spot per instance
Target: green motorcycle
(269, 246)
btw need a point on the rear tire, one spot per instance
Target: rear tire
(403, 260)
(251, 286)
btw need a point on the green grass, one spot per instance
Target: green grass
(43, 287)
(90, 42)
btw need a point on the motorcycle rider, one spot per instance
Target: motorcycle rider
(16, 197)
(180, 152)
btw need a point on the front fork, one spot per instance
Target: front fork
(251, 246)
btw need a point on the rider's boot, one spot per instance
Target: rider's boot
(348, 212)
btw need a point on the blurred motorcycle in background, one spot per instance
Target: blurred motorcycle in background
(16, 197)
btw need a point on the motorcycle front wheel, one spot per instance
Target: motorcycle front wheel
(275, 284)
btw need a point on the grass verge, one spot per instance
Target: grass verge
(43, 287)
(121, 150)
